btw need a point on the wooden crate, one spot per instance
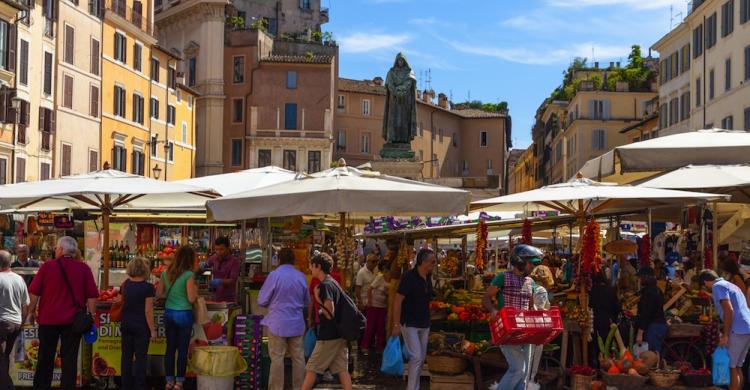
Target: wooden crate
(464, 381)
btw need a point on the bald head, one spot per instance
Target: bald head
(371, 261)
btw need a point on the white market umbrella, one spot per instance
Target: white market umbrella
(710, 146)
(341, 190)
(584, 196)
(105, 190)
(729, 179)
(241, 181)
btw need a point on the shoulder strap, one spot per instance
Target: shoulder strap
(172, 284)
(67, 283)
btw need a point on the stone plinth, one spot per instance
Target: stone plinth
(397, 151)
(406, 168)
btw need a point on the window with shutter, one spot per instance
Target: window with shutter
(23, 71)
(93, 160)
(20, 170)
(43, 171)
(12, 38)
(155, 70)
(4, 39)
(137, 17)
(67, 155)
(290, 116)
(137, 53)
(47, 73)
(3, 171)
(94, 99)
(69, 44)
(94, 57)
(67, 91)
(4, 104)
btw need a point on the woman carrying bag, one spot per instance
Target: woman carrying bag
(180, 291)
(137, 323)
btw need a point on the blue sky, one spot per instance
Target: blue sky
(494, 50)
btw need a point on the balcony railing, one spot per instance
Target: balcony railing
(134, 15)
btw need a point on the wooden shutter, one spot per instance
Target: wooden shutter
(25, 113)
(95, 57)
(66, 157)
(48, 73)
(12, 38)
(94, 109)
(69, 44)
(42, 117)
(20, 170)
(68, 91)
(137, 13)
(52, 124)
(4, 104)
(93, 160)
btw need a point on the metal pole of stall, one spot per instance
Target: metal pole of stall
(715, 235)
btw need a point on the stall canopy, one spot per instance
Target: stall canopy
(711, 146)
(729, 179)
(341, 190)
(107, 191)
(585, 196)
(242, 181)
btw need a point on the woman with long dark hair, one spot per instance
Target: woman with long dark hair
(179, 289)
(651, 324)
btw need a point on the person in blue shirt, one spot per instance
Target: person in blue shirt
(731, 306)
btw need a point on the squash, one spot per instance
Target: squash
(639, 366)
(649, 358)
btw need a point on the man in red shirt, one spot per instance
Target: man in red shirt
(57, 307)
(225, 269)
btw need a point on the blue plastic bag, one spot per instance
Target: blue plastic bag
(309, 342)
(720, 370)
(393, 359)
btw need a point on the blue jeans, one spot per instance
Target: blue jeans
(135, 341)
(179, 328)
(518, 357)
(655, 335)
(415, 340)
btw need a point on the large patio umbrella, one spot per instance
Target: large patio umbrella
(341, 190)
(710, 146)
(107, 191)
(582, 197)
(728, 179)
(241, 181)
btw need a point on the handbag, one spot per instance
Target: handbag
(115, 312)
(82, 319)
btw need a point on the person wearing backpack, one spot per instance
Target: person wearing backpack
(331, 348)
(514, 288)
(411, 313)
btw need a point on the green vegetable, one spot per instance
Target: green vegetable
(601, 345)
(610, 336)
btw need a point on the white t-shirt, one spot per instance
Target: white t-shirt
(379, 292)
(13, 297)
(364, 279)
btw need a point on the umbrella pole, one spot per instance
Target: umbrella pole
(584, 298)
(715, 235)
(105, 244)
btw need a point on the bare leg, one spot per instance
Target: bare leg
(310, 381)
(346, 380)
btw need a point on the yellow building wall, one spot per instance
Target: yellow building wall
(183, 165)
(114, 73)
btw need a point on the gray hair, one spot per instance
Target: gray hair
(68, 245)
(5, 259)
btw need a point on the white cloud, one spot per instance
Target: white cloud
(362, 42)
(544, 56)
(637, 4)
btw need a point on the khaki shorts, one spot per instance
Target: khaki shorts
(330, 355)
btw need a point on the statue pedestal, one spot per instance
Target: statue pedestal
(397, 151)
(406, 168)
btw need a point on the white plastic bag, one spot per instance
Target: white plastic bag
(640, 348)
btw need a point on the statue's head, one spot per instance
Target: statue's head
(400, 61)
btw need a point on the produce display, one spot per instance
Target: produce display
(109, 294)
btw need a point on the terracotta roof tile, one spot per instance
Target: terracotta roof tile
(361, 86)
(476, 113)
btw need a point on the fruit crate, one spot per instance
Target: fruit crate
(514, 326)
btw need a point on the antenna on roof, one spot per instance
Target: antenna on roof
(420, 82)
(428, 79)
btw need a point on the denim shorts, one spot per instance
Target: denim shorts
(181, 318)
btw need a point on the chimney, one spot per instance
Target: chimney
(378, 80)
(611, 64)
(443, 101)
(596, 65)
(618, 64)
(428, 95)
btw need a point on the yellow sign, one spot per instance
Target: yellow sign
(621, 247)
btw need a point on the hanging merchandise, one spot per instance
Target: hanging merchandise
(644, 252)
(403, 256)
(481, 246)
(591, 251)
(526, 232)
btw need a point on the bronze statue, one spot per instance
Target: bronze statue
(400, 118)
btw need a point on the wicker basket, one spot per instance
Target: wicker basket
(446, 365)
(694, 380)
(684, 330)
(623, 381)
(581, 382)
(664, 378)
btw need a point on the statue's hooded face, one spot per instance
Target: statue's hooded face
(401, 62)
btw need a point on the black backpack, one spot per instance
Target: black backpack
(350, 322)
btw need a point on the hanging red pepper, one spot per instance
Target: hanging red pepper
(481, 245)
(526, 232)
(591, 259)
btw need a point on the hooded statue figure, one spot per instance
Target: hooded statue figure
(400, 118)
